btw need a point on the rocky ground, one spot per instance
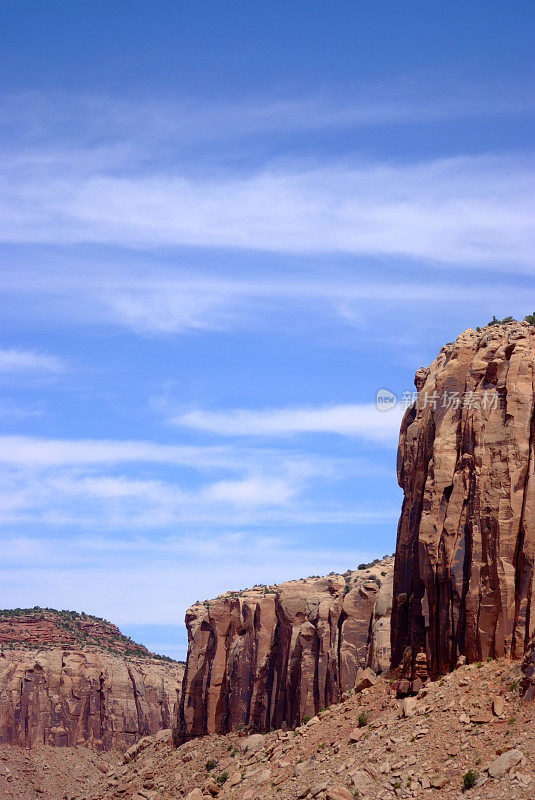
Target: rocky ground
(50, 773)
(470, 723)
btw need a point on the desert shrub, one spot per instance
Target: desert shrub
(469, 780)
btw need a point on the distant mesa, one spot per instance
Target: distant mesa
(68, 679)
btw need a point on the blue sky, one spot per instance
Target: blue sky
(223, 227)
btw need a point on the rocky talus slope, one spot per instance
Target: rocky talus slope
(51, 773)
(270, 656)
(69, 679)
(463, 582)
(371, 746)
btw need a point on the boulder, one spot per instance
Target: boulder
(504, 763)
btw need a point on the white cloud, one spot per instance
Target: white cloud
(252, 491)
(148, 123)
(35, 451)
(135, 486)
(469, 210)
(362, 420)
(154, 299)
(17, 360)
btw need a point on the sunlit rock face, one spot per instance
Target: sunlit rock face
(270, 656)
(70, 680)
(463, 580)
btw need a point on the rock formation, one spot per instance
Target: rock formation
(528, 668)
(271, 656)
(463, 582)
(68, 679)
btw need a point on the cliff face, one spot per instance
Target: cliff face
(269, 656)
(463, 582)
(58, 687)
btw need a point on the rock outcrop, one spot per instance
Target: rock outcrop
(271, 656)
(528, 668)
(68, 679)
(463, 582)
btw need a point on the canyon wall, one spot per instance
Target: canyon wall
(70, 680)
(269, 656)
(463, 581)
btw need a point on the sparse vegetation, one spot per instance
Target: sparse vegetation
(362, 719)
(530, 318)
(504, 321)
(211, 764)
(469, 780)
(221, 779)
(85, 630)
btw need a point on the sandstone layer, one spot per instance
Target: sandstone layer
(271, 656)
(463, 582)
(62, 693)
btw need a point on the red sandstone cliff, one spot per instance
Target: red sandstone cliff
(67, 679)
(463, 581)
(273, 655)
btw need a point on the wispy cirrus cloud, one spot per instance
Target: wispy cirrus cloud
(40, 116)
(155, 299)
(472, 210)
(90, 484)
(355, 420)
(15, 360)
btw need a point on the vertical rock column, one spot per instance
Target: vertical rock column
(463, 579)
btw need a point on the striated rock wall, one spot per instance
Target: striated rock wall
(71, 697)
(269, 656)
(463, 581)
(68, 679)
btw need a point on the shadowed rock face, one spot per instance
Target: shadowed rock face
(463, 582)
(269, 656)
(54, 690)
